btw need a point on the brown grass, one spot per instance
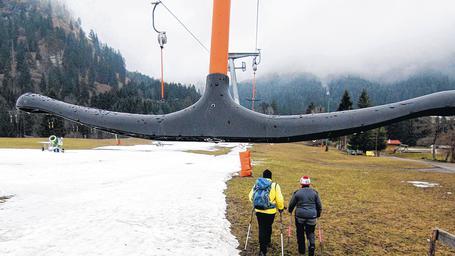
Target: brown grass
(217, 152)
(69, 143)
(369, 209)
(420, 156)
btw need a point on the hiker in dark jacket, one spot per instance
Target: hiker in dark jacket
(308, 208)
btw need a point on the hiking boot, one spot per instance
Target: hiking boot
(311, 250)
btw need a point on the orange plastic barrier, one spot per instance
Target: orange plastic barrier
(245, 162)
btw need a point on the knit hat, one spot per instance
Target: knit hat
(267, 174)
(305, 180)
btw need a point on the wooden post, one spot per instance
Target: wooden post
(117, 139)
(445, 237)
(434, 237)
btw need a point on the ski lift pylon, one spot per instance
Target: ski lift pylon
(216, 116)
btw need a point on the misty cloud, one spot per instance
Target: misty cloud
(380, 39)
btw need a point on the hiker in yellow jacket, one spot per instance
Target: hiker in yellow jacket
(266, 198)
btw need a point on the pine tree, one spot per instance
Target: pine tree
(24, 79)
(70, 64)
(42, 84)
(274, 106)
(367, 140)
(46, 126)
(311, 108)
(403, 131)
(6, 120)
(345, 103)
(364, 100)
(380, 139)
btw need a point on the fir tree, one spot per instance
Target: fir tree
(364, 100)
(345, 103)
(274, 106)
(71, 64)
(42, 84)
(311, 108)
(367, 140)
(24, 79)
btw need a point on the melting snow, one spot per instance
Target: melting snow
(2, 193)
(423, 184)
(141, 200)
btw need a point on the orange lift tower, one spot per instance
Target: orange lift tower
(220, 37)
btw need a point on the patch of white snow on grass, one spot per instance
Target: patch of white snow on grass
(2, 193)
(423, 184)
(141, 200)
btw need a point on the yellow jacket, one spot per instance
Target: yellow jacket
(275, 197)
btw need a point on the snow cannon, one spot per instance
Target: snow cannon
(53, 141)
(54, 144)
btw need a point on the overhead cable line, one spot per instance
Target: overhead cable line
(256, 59)
(257, 24)
(186, 28)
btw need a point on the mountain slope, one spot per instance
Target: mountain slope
(44, 50)
(293, 93)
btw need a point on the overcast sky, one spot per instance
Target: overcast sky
(374, 38)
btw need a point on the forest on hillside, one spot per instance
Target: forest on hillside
(305, 93)
(293, 93)
(43, 49)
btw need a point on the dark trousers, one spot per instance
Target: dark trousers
(303, 229)
(265, 222)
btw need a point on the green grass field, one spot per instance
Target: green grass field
(369, 208)
(69, 143)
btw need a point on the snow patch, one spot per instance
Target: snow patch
(423, 184)
(139, 200)
(2, 193)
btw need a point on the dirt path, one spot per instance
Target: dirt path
(437, 166)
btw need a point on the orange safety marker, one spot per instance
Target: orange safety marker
(245, 162)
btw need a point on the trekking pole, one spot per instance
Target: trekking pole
(289, 229)
(249, 229)
(281, 230)
(321, 239)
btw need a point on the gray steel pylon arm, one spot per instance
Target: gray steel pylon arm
(216, 117)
